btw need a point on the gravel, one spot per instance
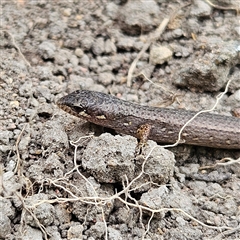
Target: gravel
(76, 189)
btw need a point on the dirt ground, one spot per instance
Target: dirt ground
(62, 178)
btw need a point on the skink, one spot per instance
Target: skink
(159, 124)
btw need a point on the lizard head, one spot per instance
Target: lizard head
(85, 104)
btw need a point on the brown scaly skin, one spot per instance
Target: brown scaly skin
(210, 130)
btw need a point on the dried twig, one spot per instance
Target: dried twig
(16, 46)
(153, 37)
(26, 208)
(19, 161)
(222, 162)
(221, 7)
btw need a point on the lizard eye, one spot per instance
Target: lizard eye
(78, 109)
